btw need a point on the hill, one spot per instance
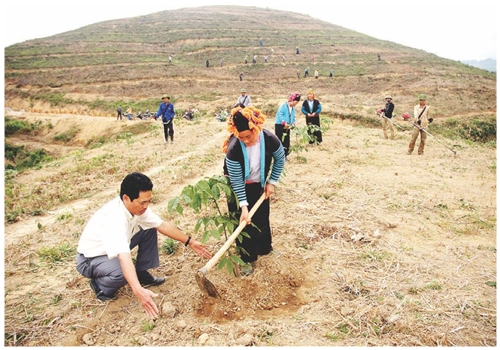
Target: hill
(373, 247)
(97, 67)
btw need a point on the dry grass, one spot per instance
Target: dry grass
(368, 251)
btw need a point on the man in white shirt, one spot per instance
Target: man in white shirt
(116, 228)
(244, 100)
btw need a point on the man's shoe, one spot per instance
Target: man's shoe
(147, 279)
(99, 293)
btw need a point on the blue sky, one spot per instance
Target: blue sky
(456, 30)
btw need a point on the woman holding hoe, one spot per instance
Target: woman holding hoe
(250, 150)
(285, 119)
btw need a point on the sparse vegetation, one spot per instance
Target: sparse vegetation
(21, 159)
(367, 250)
(66, 136)
(14, 126)
(64, 251)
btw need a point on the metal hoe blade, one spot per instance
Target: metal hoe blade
(205, 285)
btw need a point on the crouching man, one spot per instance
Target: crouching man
(120, 225)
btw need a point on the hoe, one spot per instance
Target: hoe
(205, 285)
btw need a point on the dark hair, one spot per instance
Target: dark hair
(134, 183)
(240, 122)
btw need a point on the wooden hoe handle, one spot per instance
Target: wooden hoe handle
(211, 263)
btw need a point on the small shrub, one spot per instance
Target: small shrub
(59, 253)
(148, 326)
(67, 135)
(433, 286)
(24, 159)
(169, 246)
(20, 126)
(64, 216)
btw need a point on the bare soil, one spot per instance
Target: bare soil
(373, 247)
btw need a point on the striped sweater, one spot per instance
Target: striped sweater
(236, 164)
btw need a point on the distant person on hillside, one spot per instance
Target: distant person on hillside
(420, 121)
(261, 43)
(378, 56)
(241, 76)
(297, 52)
(285, 119)
(126, 222)
(254, 59)
(265, 58)
(312, 58)
(119, 111)
(306, 72)
(166, 113)
(246, 59)
(331, 72)
(244, 100)
(128, 113)
(387, 113)
(316, 74)
(254, 162)
(311, 108)
(207, 63)
(221, 62)
(169, 59)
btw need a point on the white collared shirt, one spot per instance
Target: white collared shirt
(110, 230)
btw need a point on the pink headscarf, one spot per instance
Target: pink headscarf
(294, 97)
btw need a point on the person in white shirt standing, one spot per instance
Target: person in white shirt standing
(104, 249)
(244, 100)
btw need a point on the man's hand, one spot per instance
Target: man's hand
(145, 297)
(200, 249)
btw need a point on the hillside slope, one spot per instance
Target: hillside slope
(126, 61)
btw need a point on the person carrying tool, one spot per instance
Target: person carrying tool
(114, 230)
(420, 122)
(243, 100)
(285, 120)
(250, 150)
(387, 113)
